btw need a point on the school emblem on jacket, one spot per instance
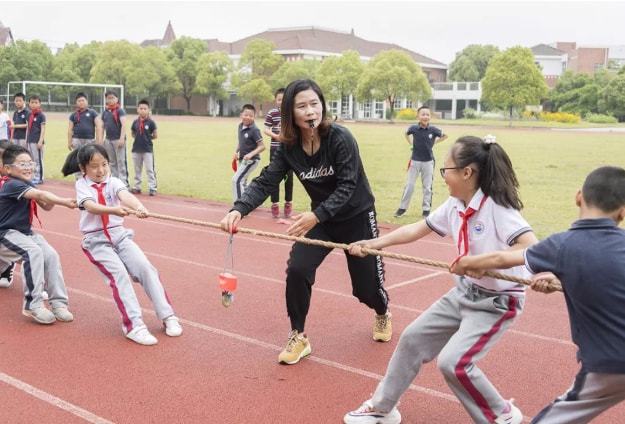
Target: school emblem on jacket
(430, 135)
(478, 228)
(147, 128)
(245, 135)
(87, 114)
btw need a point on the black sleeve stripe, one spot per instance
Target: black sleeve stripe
(516, 234)
(433, 228)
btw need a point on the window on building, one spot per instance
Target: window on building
(379, 110)
(409, 104)
(333, 107)
(397, 104)
(366, 106)
(345, 112)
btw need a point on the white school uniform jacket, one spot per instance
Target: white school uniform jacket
(84, 191)
(491, 228)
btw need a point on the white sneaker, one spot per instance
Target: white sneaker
(6, 278)
(172, 326)
(514, 416)
(63, 314)
(367, 414)
(40, 315)
(142, 336)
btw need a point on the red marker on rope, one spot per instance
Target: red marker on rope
(227, 280)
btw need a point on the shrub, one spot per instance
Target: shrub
(407, 114)
(470, 113)
(597, 118)
(567, 118)
(530, 115)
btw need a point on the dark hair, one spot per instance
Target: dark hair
(278, 91)
(604, 188)
(81, 157)
(20, 94)
(79, 95)
(248, 107)
(289, 131)
(34, 97)
(12, 152)
(1, 102)
(496, 176)
(110, 93)
(3, 145)
(422, 107)
(143, 102)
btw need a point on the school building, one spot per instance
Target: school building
(6, 37)
(317, 44)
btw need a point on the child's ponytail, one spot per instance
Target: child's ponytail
(496, 177)
(71, 163)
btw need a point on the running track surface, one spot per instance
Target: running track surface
(224, 368)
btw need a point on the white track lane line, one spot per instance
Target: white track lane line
(52, 400)
(414, 280)
(254, 277)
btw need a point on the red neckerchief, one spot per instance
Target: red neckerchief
(115, 111)
(105, 217)
(3, 179)
(77, 116)
(32, 213)
(33, 114)
(142, 124)
(463, 233)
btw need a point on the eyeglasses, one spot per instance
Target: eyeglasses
(23, 165)
(445, 169)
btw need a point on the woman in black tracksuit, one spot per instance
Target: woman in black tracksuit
(324, 156)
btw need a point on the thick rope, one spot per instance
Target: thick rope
(343, 246)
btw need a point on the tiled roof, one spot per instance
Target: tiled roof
(546, 50)
(323, 40)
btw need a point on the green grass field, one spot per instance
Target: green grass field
(193, 159)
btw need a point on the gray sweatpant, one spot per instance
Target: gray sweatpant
(426, 169)
(37, 155)
(20, 142)
(147, 159)
(117, 159)
(41, 268)
(120, 262)
(77, 143)
(239, 179)
(590, 395)
(460, 328)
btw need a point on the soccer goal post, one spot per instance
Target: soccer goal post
(57, 95)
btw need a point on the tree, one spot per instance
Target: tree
(291, 71)
(256, 90)
(115, 61)
(513, 80)
(25, 60)
(259, 60)
(184, 54)
(470, 64)
(213, 72)
(614, 97)
(579, 93)
(392, 74)
(338, 75)
(151, 74)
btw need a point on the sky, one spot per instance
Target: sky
(436, 29)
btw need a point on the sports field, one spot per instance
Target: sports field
(193, 157)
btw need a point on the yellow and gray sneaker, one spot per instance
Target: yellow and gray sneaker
(296, 348)
(367, 414)
(382, 328)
